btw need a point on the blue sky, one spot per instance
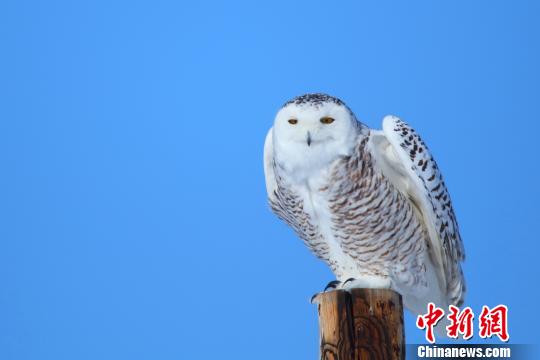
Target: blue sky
(134, 222)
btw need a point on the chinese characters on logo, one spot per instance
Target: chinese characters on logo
(491, 322)
(429, 320)
(460, 323)
(494, 322)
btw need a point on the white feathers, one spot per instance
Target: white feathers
(371, 204)
(327, 141)
(269, 163)
(425, 185)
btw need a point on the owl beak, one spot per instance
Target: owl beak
(308, 138)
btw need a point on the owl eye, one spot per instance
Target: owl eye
(327, 120)
(293, 121)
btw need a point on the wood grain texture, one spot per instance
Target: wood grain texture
(361, 324)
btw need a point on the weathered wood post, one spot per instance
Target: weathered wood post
(361, 324)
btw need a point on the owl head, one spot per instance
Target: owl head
(313, 129)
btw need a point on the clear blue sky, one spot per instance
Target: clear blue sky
(134, 222)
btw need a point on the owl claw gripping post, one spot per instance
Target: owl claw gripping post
(370, 203)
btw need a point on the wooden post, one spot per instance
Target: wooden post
(361, 324)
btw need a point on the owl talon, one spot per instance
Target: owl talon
(332, 285)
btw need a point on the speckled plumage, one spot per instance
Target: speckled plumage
(372, 204)
(316, 99)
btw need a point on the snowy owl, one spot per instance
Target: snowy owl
(370, 203)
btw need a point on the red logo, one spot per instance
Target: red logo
(460, 322)
(494, 322)
(491, 322)
(429, 320)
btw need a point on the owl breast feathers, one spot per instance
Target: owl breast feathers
(370, 203)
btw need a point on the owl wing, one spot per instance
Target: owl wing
(405, 160)
(289, 206)
(270, 178)
(282, 200)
